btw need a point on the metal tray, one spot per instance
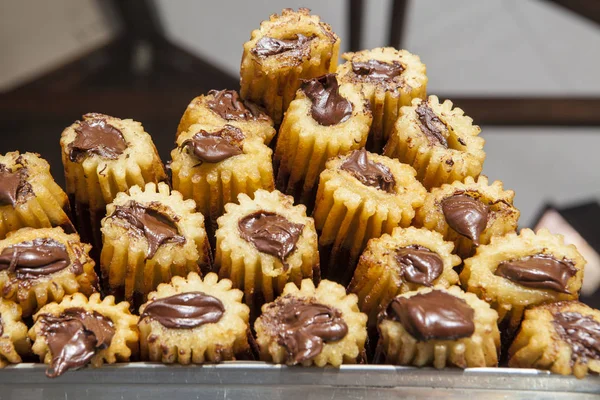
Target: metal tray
(257, 380)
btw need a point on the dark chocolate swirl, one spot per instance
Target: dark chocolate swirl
(214, 147)
(32, 259)
(541, 271)
(228, 105)
(96, 136)
(185, 310)
(329, 107)
(268, 46)
(431, 125)
(466, 215)
(582, 333)
(419, 265)
(13, 186)
(369, 173)
(377, 70)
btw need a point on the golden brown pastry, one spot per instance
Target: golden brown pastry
(13, 334)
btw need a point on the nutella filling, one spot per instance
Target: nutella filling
(435, 315)
(228, 105)
(302, 327)
(35, 258)
(466, 215)
(214, 147)
(74, 337)
(268, 46)
(329, 107)
(377, 70)
(431, 125)
(419, 265)
(271, 233)
(154, 225)
(369, 173)
(13, 186)
(540, 271)
(581, 333)
(96, 136)
(185, 310)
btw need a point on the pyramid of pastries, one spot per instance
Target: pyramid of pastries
(346, 211)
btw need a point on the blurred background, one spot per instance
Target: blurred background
(527, 71)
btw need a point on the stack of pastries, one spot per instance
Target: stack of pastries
(323, 215)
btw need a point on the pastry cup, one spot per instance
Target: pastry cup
(347, 350)
(304, 145)
(386, 94)
(272, 80)
(13, 334)
(124, 343)
(544, 343)
(131, 266)
(28, 285)
(212, 185)
(35, 199)
(221, 107)
(502, 217)
(348, 213)
(93, 180)
(480, 349)
(452, 153)
(380, 275)
(509, 298)
(262, 276)
(224, 340)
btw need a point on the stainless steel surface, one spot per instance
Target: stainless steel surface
(255, 380)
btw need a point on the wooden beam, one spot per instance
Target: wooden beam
(397, 22)
(355, 23)
(589, 9)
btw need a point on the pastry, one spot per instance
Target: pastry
(390, 79)
(264, 243)
(324, 120)
(38, 266)
(285, 49)
(13, 334)
(194, 320)
(149, 236)
(312, 326)
(439, 141)
(438, 327)
(29, 196)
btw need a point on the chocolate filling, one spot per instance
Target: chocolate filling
(419, 265)
(228, 105)
(435, 315)
(466, 215)
(271, 233)
(155, 226)
(74, 337)
(431, 125)
(1, 326)
(303, 326)
(185, 310)
(214, 147)
(581, 333)
(13, 186)
(377, 70)
(369, 173)
(329, 107)
(32, 259)
(268, 46)
(96, 136)
(540, 271)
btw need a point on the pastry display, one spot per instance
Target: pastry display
(562, 337)
(79, 331)
(264, 243)
(439, 141)
(284, 50)
(103, 156)
(225, 107)
(29, 196)
(151, 235)
(390, 79)
(404, 261)
(39, 266)
(361, 196)
(312, 326)
(194, 320)
(438, 327)
(514, 272)
(214, 164)
(470, 213)
(323, 121)
(14, 341)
